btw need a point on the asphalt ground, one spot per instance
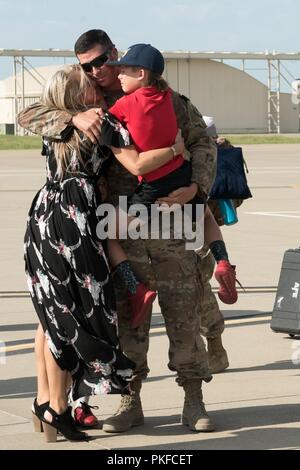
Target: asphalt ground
(254, 404)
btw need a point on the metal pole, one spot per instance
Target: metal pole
(189, 77)
(23, 91)
(15, 97)
(278, 97)
(269, 96)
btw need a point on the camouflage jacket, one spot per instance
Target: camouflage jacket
(201, 148)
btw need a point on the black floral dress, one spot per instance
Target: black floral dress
(69, 279)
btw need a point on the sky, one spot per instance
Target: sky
(170, 25)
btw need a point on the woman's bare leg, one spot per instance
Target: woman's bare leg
(42, 380)
(57, 379)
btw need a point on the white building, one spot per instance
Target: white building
(32, 91)
(238, 102)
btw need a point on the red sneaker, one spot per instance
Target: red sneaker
(84, 416)
(225, 275)
(141, 303)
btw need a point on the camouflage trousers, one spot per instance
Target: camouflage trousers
(167, 267)
(211, 318)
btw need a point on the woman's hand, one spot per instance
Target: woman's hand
(100, 112)
(89, 123)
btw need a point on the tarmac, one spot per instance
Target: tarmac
(255, 403)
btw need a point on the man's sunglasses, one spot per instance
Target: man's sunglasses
(97, 62)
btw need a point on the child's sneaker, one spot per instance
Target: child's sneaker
(84, 417)
(225, 275)
(141, 303)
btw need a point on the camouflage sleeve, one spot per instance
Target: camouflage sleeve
(202, 149)
(44, 121)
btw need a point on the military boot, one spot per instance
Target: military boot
(217, 356)
(194, 414)
(129, 413)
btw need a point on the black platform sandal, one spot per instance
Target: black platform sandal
(38, 414)
(63, 423)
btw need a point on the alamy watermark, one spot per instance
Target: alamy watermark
(152, 222)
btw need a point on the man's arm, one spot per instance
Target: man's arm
(58, 124)
(202, 149)
(44, 121)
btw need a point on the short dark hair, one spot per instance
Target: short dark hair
(90, 39)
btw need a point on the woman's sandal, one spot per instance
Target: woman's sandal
(38, 414)
(63, 423)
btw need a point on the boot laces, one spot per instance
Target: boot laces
(126, 403)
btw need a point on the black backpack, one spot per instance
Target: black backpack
(231, 181)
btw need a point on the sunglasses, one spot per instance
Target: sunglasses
(97, 62)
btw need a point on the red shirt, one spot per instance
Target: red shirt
(150, 119)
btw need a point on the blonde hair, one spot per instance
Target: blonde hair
(65, 91)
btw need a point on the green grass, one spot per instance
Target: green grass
(10, 142)
(248, 139)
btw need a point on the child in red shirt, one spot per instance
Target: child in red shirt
(147, 112)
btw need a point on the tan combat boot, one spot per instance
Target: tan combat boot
(217, 356)
(129, 413)
(194, 414)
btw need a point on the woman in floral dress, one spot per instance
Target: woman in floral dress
(66, 265)
(68, 274)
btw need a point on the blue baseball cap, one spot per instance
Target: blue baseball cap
(142, 55)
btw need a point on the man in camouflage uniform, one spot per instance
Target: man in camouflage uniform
(165, 265)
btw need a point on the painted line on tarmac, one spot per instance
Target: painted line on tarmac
(17, 393)
(273, 168)
(235, 321)
(22, 173)
(273, 187)
(247, 320)
(231, 321)
(25, 420)
(277, 214)
(160, 329)
(18, 190)
(274, 212)
(18, 347)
